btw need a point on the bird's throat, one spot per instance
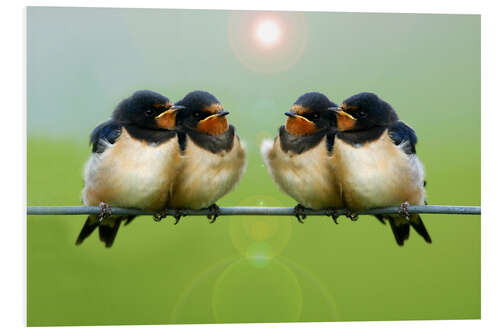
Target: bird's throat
(213, 125)
(300, 126)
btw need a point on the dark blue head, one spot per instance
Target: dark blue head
(310, 113)
(145, 109)
(364, 111)
(201, 111)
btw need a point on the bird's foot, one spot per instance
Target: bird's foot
(332, 212)
(179, 213)
(353, 216)
(160, 215)
(213, 213)
(403, 210)
(300, 214)
(105, 211)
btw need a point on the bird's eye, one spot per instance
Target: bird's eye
(197, 114)
(362, 114)
(316, 115)
(148, 112)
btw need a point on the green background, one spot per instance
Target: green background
(82, 62)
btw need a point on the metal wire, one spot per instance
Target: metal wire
(271, 211)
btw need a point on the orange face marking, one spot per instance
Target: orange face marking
(214, 125)
(166, 120)
(214, 108)
(299, 109)
(349, 107)
(345, 122)
(299, 126)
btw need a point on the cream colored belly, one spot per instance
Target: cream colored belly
(206, 177)
(309, 177)
(132, 173)
(378, 174)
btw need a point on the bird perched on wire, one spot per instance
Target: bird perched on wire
(300, 157)
(133, 162)
(213, 156)
(376, 162)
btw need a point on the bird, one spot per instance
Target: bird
(214, 158)
(376, 163)
(133, 163)
(299, 159)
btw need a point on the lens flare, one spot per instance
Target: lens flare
(267, 42)
(247, 293)
(253, 234)
(268, 33)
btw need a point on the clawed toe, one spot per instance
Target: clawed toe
(105, 211)
(403, 210)
(179, 213)
(160, 215)
(300, 214)
(332, 212)
(353, 216)
(213, 213)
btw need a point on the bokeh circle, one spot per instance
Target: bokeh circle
(247, 293)
(244, 28)
(261, 237)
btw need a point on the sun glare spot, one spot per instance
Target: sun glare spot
(268, 33)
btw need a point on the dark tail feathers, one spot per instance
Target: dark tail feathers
(107, 231)
(401, 228)
(417, 224)
(107, 228)
(90, 224)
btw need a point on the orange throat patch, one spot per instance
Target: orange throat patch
(166, 120)
(344, 123)
(213, 125)
(299, 126)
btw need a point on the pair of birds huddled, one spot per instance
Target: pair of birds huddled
(154, 155)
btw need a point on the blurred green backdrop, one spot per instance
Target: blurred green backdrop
(83, 61)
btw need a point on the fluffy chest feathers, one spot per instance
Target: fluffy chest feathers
(307, 177)
(206, 176)
(132, 173)
(377, 174)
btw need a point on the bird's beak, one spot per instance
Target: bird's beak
(166, 119)
(294, 116)
(172, 109)
(345, 121)
(298, 125)
(345, 114)
(176, 107)
(218, 114)
(222, 113)
(341, 112)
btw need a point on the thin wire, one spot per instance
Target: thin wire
(271, 211)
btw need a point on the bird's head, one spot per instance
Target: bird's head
(364, 111)
(310, 113)
(146, 109)
(201, 111)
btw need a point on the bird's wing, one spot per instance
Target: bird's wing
(105, 135)
(404, 136)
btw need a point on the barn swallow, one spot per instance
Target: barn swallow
(213, 157)
(376, 162)
(133, 163)
(300, 157)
